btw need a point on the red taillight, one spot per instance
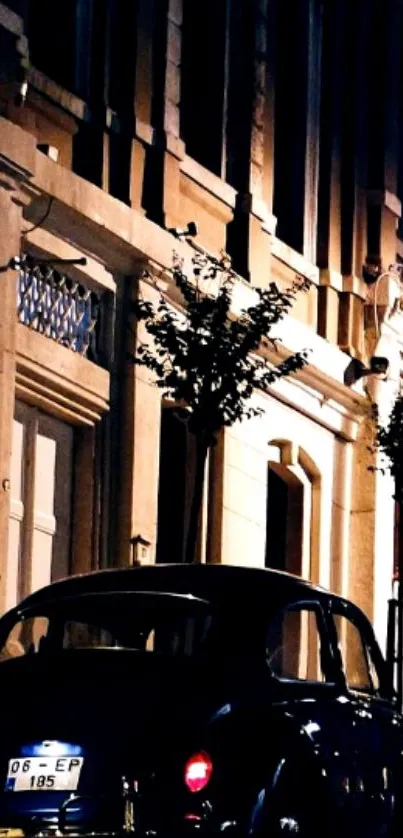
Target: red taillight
(198, 771)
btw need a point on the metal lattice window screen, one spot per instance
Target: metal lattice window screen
(60, 308)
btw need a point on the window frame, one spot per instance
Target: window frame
(188, 130)
(373, 654)
(326, 651)
(57, 609)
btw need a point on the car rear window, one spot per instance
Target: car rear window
(155, 623)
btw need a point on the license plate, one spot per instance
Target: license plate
(44, 774)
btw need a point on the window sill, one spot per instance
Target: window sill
(208, 181)
(294, 260)
(57, 94)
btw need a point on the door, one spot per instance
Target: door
(310, 684)
(41, 502)
(372, 716)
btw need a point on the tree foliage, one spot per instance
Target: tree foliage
(390, 443)
(205, 357)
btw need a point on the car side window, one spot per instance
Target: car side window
(25, 637)
(294, 645)
(358, 667)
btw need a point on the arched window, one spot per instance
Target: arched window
(293, 510)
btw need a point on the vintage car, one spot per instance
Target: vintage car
(170, 700)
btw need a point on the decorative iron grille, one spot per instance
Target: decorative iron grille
(60, 308)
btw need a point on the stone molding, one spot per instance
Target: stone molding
(59, 381)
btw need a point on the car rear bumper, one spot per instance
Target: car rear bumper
(202, 830)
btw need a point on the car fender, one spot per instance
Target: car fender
(299, 769)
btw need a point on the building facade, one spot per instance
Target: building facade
(274, 126)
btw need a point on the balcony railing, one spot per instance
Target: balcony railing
(60, 308)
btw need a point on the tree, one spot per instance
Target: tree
(207, 358)
(390, 443)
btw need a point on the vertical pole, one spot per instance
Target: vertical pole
(391, 642)
(399, 551)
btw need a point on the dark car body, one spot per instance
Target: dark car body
(168, 700)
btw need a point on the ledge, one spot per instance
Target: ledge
(93, 274)
(58, 380)
(379, 197)
(59, 95)
(355, 285)
(11, 21)
(144, 131)
(330, 278)
(294, 260)
(17, 150)
(260, 209)
(320, 396)
(208, 181)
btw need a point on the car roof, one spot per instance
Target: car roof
(219, 584)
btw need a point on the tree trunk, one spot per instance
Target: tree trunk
(197, 498)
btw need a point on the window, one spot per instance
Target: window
(358, 666)
(59, 36)
(297, 104)
(79, 635)
(284, 520)
(203, 87)
(294, 645)
(176, 484)
(155, 623)
(292, 510)
(25, 638)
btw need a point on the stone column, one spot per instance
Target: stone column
(174, 147)
(17, 162)
(9, 247)
(329, 196)
(139, 448)
(143, 99)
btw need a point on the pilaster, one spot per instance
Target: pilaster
(173, 147)
(16, 166)
(139, 450)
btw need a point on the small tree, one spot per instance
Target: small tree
(389, 440)
(210, 360)
(390, 443)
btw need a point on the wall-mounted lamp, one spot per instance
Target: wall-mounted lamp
(184, 232)
(140, 550)
(355, 370)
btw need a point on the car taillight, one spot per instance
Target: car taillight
(198, 771)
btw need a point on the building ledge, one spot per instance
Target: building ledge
(58, 95)
(294, 260)
(58, 380)
(44, 244)
(209, 181)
